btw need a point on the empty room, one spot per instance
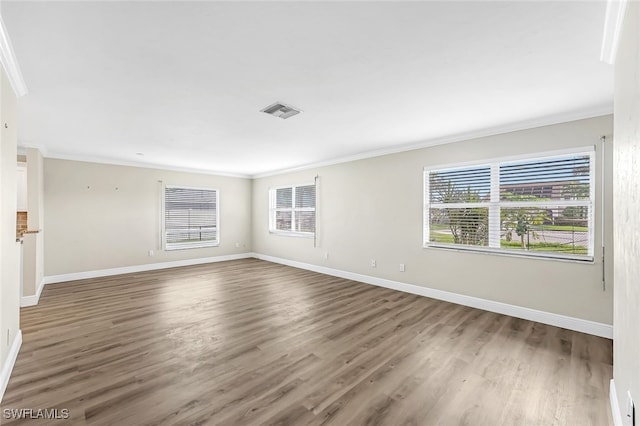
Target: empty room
(320, 212)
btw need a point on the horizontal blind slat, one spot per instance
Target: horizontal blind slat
(540, 205)
(292, 209)
(190, 217)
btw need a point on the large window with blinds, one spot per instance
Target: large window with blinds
(191, 217)
(292, 210)
(535, 206)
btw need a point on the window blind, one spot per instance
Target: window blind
(535, 206)
(293, 209)
(191, 217)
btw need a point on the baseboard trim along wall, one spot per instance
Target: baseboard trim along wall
(52, 279)
(9, 363)
(34, 299)
(615, 408)
(570, 323)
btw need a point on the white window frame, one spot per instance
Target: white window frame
(293, 210)
(495, 204)
(188, 245)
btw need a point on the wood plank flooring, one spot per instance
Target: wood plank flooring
(250, 342)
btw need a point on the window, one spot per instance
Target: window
(191, 218)
(533, 206)
(293, 209)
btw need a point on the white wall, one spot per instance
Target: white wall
(372, 209)
(100, 216)
(626, 343)
(9, 248)
(33, 245)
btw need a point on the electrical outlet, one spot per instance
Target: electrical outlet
(151, 253)
(631, 411)
(326, 254)
(373, 263)
(237, 245)
(402, 267)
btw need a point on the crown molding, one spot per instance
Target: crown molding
(613, 21)
(490, 131)
(22, 149)
(115, 162)
(10, 63)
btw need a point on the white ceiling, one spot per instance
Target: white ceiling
(183, 82)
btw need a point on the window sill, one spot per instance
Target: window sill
(185, 247)
(528, 255)
(292, 234)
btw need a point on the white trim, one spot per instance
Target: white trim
(10, 63)
(34, 299)
(613, 21)
(273, 188)
(593, 202)
(127, 163)
(615, 408)
(426, 190)
(598, 111)
(571, 323)
(273, 209)
(195, 188)
(161, 201)
(189, 245)
(495, 205)
(52, 279)
(22, 147)
(533, 156)
(584, 259)
(511, 204)
(7, 367)
(292, 234)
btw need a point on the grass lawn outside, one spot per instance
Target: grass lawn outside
(437, 235)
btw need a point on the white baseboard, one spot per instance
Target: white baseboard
(7, 367)
(615, 408)
(32, 300)
(571, 323)
(52, 279)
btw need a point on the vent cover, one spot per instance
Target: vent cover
(281, 110)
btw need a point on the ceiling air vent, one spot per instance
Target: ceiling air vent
(281, 110)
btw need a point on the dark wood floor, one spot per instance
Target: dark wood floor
(250, 342)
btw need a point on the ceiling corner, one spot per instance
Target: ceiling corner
(613, 21)
(10, 63)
